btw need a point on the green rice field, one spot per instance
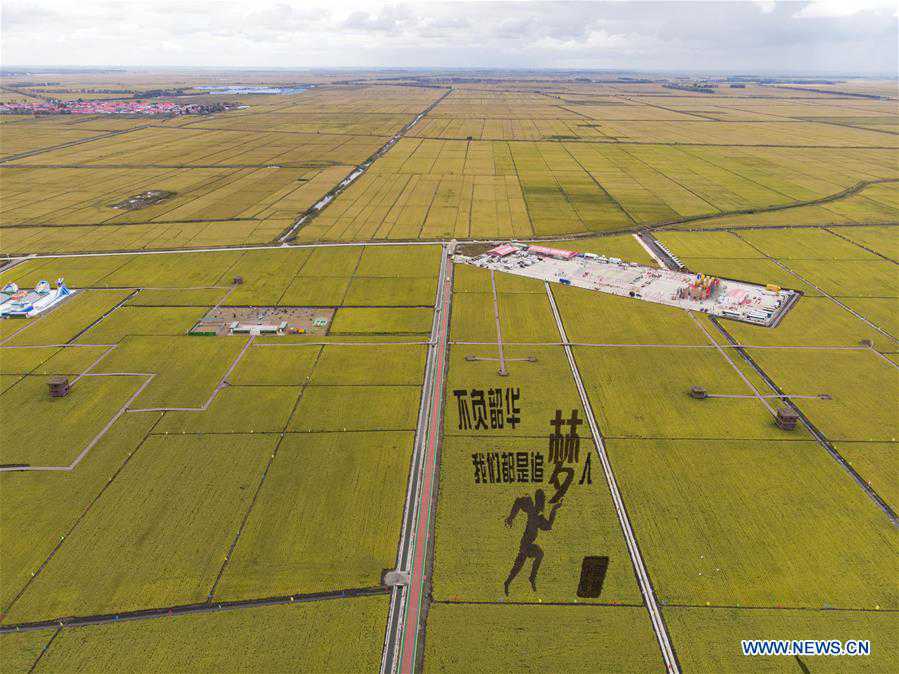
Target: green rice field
(203, 501)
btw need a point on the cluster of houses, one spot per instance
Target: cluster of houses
(107, 107)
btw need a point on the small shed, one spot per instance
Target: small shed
(59, 386)
(786, 418)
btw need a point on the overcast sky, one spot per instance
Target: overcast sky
(831, 36)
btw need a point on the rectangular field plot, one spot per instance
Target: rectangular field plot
(812, 321)
(177, 270)
(850, 278)
(175, 491)
(59, 428)
(341, 261)
(90, 195)
(25, 137)
(523, 316)
(237, 409)
(708, 640)
(334, 276)
(707, 244)
(129, 320)
(155, 236)
(265, 274)
(399, 261)
(373, 291)
(193, 297)
(749, 517)
(600, 318)
(465, 638)
(71, 360)
(187, 369)
(382, 321)
(644, 393)
(472, 318)
(356, 408)
(338, 635)
(178, 148)
(469, 279)
(327, 517)
(77, 271)
(274, 364)
(341, 365)
(861, 384)
(475, 550)
(805, 244)
(315, 292)
(24, 359)
(40, 507)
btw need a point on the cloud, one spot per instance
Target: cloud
(827, 36)
(840, 8)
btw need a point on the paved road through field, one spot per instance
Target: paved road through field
(405, 610)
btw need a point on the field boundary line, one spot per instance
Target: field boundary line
(616, 345)
(226, 249)
(817, 609)
(99, 320)
(51, 148)
(499, 332)
(65, 345)
(521, 188)
(90, 367)
(243, 523)
(860, 245)
(45, 649)
(677, 144)
(587, 604)
(643, 580)
(187, 609)
(291, 344)
(836, 196)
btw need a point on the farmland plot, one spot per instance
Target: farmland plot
(151, 516)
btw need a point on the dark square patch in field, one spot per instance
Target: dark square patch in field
(144, 199)
(593, 574)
